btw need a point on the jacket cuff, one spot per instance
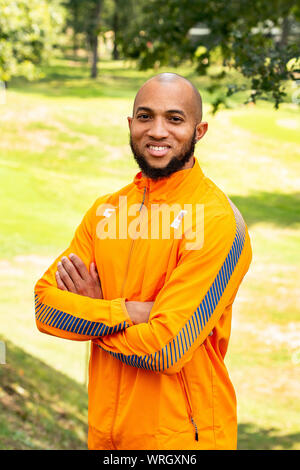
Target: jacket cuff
(119, 312)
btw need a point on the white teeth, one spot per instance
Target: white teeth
(157, 148)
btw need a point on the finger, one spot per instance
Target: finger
(80, 266)
(94, 272)
(65, 277)
(59, 282)
(72, 271)
(147, 306)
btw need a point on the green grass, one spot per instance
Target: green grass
(40, 408)
(284, 127)
(64, 142)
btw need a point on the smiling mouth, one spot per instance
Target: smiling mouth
(158, 147)
(158, 150)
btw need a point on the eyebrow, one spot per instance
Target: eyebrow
(170, 111)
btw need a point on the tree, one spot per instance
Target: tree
(252, 37)
(74, 20)
(85, 18)
(28, 33)
(116, 21)
(121, 18)
(93, 32)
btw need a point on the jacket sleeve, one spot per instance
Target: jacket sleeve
(191, 302)
(72, 316)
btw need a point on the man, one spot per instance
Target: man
(154, 298)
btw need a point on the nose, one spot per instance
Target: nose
(158, 129)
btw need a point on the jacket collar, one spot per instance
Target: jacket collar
(183, 181)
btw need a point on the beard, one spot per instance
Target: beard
(175, 164)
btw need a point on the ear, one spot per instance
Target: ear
(129, 119)
(201, 130)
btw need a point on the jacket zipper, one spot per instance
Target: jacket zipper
(188, 401)
(122, 292)
(132, 243)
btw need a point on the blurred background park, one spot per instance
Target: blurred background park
(69, 71)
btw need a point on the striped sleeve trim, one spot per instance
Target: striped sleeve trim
(178, 346)
(64, 321)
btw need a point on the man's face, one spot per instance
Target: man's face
(163, 128)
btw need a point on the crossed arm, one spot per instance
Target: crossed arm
(73, 276)
(160, 336)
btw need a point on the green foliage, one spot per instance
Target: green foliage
(28, 33)
(80, 16)
(255, 37)
(117, 16)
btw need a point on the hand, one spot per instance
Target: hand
(73, 276)
(139, 312)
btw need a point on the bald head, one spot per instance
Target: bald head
(173, 78)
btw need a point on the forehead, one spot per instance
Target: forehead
(166, 96)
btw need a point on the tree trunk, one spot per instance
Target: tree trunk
(75, 23)
(116, 31)
(75, 43)
(94, 69)
(285, 32)
(94, 37)
(116, 54)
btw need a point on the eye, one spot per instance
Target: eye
(143, 116)
(176, 119)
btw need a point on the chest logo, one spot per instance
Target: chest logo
(177, 221)
(107, 213)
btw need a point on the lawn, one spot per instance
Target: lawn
(64, 142)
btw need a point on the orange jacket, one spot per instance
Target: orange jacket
(161, 384)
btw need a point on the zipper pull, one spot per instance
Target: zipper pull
(196, 429)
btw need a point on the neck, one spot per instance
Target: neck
(189, 164)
